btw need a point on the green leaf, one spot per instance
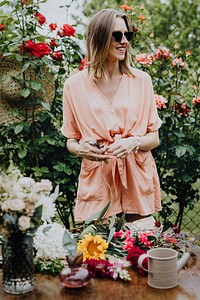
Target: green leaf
(112, 221)
(98, 215)
(120, 222)
(19, 128)
(36, 86)
(25, 66)
(38, 212)
(90, 229)
(69, 243)
(46, 105)
(111, 233)
(22, 153)
(180, 151)
(25, 93)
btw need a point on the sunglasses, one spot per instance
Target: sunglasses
(118, 35)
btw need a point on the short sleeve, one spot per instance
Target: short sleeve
(69, 127)
(154, 121)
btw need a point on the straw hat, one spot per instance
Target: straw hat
(14, 107)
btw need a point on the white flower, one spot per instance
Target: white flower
(48, 241)
(24, 223)
(26, 182)
(48, 208)
(16, 205)
(45, 186)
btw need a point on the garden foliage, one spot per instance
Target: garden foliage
(36, 144)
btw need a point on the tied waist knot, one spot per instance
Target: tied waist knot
(119, 165)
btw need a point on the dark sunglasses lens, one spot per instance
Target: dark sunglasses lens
(117, 36)
(128, 35)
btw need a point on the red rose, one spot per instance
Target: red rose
(53, 42)
(37, 49)
(84, 64)
(66, 30)
(57, 55)
(41, 19)
(2, 27)
(53, 26)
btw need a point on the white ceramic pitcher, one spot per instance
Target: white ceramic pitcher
(163, 267)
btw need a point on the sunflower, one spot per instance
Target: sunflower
(92, 246)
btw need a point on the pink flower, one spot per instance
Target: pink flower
(53, 26)
(162, 53)
(178, 62)
(41, 19)
(196, 101)
(118, 234)
(160, 101)
(66, 30)
(145, 59)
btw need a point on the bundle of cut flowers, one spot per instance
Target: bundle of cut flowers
(98, 241)
(24, 203)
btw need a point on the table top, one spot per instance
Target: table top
(49, 287)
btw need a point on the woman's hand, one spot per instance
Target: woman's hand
(123, 147)
(87, 149)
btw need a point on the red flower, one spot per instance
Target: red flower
(188, 52)
(133, 255)
(41, 19)
(53, 26)
(66, 30)
(2, 27)
(181, 108)
(97, 267)
(37, 49)
(53, 42)
(84, 63)
(25, 1)
(145, 265)
(57, 55)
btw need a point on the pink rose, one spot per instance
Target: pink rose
(144, 59)
(160, 101)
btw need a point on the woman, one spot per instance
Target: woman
(110, 120)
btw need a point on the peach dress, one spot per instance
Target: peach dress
(131, 184)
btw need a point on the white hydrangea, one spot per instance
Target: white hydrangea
(48, 241)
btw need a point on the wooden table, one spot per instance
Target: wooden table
(49, 288)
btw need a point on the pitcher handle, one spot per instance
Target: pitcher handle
(140, 261)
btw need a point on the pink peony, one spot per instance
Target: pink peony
(162, 53)
(160, 101)
(145, 59)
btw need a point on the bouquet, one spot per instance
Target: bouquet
(24, 203)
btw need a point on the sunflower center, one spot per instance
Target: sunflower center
(92, 247)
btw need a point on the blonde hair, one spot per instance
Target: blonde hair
(99, 34)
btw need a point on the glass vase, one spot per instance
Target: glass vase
(18, 265)
(74, 276)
